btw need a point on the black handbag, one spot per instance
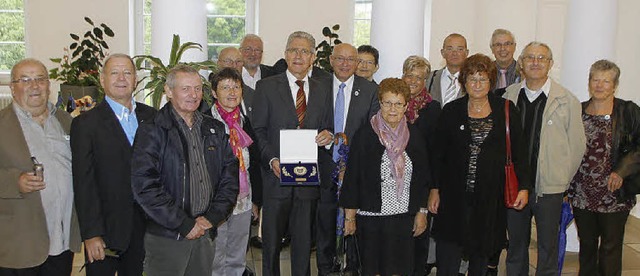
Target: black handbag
(349, 258)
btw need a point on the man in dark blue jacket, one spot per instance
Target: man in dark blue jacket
(185, 177)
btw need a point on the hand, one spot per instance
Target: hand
(204, 223)
(196, 232)
(521, 200)
(614, 182)
(255, 212)
(434, 201)
(324, 138)
(419, 224)
(28, 182)
(349, 226)
(95, 249)
(275, 167)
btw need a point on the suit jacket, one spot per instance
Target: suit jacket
(247, 99)
(363, 105)
(562, 139)
(23, 231)
(276, 112)
(433, 85)
(266, 71)
(102, 175)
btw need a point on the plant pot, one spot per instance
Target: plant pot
(78, 92)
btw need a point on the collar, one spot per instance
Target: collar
(446, 73)
(347, 83)
(292, 79)
(509, 68)
(26, 114)
(197, 118)
(119, 109)
(246, 73)
(545, 88)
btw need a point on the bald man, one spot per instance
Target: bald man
(354, 103)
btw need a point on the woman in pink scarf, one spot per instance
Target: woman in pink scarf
(384, 191)
(233, 234)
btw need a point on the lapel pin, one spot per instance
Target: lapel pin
(250, 108)
(356, 93)
(607, 117)
(549, 122)
(461, 127)
(212, 131)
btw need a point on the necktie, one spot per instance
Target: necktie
(338, 119)
(451, 92)
(301, 103)
(502, 82)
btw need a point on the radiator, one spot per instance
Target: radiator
(5, 100)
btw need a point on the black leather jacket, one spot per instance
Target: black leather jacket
(160, 178)
(625, 143)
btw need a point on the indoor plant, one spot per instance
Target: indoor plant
(325, 48)
(157, 70)
(79, 67)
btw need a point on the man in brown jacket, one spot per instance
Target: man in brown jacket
(39, 229)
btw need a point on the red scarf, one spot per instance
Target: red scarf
(415, 104)
(238, 139)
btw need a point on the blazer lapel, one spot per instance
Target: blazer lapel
(314, 104)
(553, 102)
(354, 105)
(285, 94)
(112, 125)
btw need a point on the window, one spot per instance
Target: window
(362, 22)
(12, 47)
(226, 24)
(146, 22)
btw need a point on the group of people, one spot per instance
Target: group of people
(421, 182)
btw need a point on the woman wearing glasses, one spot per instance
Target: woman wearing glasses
(384, 191)
(468, 195)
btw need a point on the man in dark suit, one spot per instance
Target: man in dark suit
(251, 48)
(101, 144)
(231, 57)
(289, 101)
(355, 101)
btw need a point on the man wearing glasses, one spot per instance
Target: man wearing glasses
(503, 45)
(231, 57)
(443, 84)
(39, 228)
(290, 100)
(552, 123)
(251, 48)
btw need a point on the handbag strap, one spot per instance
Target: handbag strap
(508, 137)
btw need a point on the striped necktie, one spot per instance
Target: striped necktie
(301, 103)
(451, 92)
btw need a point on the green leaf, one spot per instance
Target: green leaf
(175, 44)
(73, 45)
(326, 31)
(336, 27)
(88, 20)
(334, 35)
(184, 47)
(74, 37)
(107, 30)
(97, 32)
(104, 44)
(87, 34)
(56, 60)
(337, 41)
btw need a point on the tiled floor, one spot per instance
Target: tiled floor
(630, 256)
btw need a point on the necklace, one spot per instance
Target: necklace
(477, 109)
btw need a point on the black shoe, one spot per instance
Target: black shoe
(492, 271)
(429, 267)
(255, 242)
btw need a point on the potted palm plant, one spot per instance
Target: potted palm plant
(157, 70)
(78, 69)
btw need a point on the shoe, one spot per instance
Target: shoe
(492, 271)
(429, 267)
(256, 242)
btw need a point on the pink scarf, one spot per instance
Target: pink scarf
(238, 139)
(415, 104)
(395, 141)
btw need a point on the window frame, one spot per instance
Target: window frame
(5, 75)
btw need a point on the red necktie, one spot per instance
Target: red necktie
(301, 103)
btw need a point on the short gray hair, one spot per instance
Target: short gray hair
(117, 55)
(26, 61)
(303, 35)
(250, 36)
(180, 68)
(537, 43)
(498, 32)
(604, 65)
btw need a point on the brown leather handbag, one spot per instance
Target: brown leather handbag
(510, 178)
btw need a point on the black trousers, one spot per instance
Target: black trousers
(296, 215)
(449, 255)
(608, 229)
(59, 265)
(326, 230)
(129, 262)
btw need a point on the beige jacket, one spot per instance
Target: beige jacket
(562, 139)
(24, 239)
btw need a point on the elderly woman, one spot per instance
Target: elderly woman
(468, 195)
(600, 206)
(384, 190)
(233, 234)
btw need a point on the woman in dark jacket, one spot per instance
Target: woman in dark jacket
(600, 192)
(468, 194)
(384, 189)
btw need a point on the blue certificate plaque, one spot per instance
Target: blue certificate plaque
(299, 158)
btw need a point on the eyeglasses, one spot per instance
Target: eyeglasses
(500, 45)
(482, 81)
(340, 59)
(452, 50)
(251, 50)
(367, 62)
(396, 105)
(230, 87)
(539, 58)
(28, 80)
(413, 77)
(296, 51)
(231, 61)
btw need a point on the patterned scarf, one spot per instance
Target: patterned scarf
(415, 104)
(238, 139)
(395, 141)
